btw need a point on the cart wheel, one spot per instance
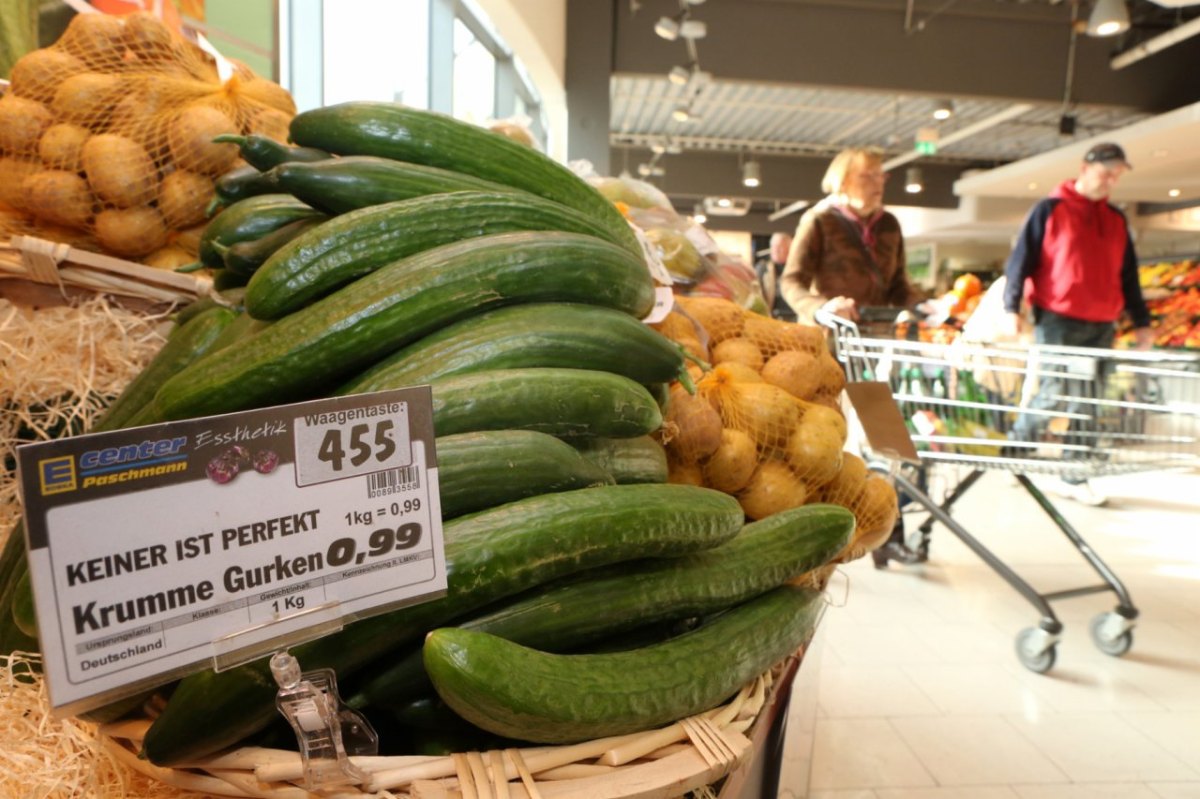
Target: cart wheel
(1032, 651)
(1106, 643)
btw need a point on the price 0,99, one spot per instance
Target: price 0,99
(382, 541)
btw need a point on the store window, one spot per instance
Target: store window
(474, 82)
(437, 54)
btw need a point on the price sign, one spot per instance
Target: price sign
(154, 549)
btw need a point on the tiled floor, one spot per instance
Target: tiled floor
(913, 690)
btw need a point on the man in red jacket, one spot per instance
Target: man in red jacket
(1075, 253)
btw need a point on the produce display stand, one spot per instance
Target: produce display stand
(1110, 412)
(686, 756)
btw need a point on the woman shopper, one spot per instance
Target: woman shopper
(848, 253)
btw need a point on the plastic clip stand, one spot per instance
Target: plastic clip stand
(328, 731)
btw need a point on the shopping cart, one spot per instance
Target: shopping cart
(1067, 412)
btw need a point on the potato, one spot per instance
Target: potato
(795, 371)
(87, 99)
(22, 123)
(131, 232)
(269, 94)
(738, 350)
(119, 170)
(169, 258)
(36, 75)
(140, 116)
(190, 138)
(688, 474)
(13, 172)
(814, 452)
(189, 238)
(772, 488)
(768, 413)
(730, 467)
(676, 326)
(183, 197)
(721, 319)
(148, 37)
(697, 426)
(270, 122)
(61, 146)
(97, 39)
(822, 416)
(59, 196)
(875, 510)
(734, 372)
(833, 378)
(848, 482)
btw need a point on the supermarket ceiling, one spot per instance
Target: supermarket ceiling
(788, 83)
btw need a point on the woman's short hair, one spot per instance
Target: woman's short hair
(835, 174)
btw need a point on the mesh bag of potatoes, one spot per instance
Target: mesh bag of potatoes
(764, 423)
(106, 137)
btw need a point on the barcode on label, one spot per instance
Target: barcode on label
(393, 481)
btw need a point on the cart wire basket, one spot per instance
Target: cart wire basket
(1067, 412)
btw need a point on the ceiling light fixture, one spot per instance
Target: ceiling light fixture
(751, 174)
(683, 113)
(679, 75)
(651, 170)
(943, 110)
(1108, 18)
(698, 215)
(668, 27)
(1173, 193)
(693, 28)
(913, 180)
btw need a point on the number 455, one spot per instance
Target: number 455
(362, 444)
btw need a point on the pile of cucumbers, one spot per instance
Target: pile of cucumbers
(393, 247)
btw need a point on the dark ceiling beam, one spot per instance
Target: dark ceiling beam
(992, 49)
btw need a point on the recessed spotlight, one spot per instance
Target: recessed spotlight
(698, 215)
(724, 202)
(1173, 193)
(944, 109)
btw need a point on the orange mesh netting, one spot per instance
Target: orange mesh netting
(106, 136)
(765, 423)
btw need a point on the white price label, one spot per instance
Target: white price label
(153, 550)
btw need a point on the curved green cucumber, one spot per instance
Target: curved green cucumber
(517, 692)
(263, 152)
(409, 134)
(489, 555)
(249, 219)
(358, 181)
(186, 343)
(640, 459)
(245, 257)
(23, 613)
(569, 335)
(324, 343)
(358, 243)
(238, 184)
(561, 402)
(14, 568)
(484, 469)
(558, 618)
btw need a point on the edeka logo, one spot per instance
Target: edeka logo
(57, 474)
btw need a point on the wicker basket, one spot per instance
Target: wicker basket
(63, 268)
(657, 764)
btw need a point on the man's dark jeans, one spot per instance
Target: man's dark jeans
(1063, 331)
